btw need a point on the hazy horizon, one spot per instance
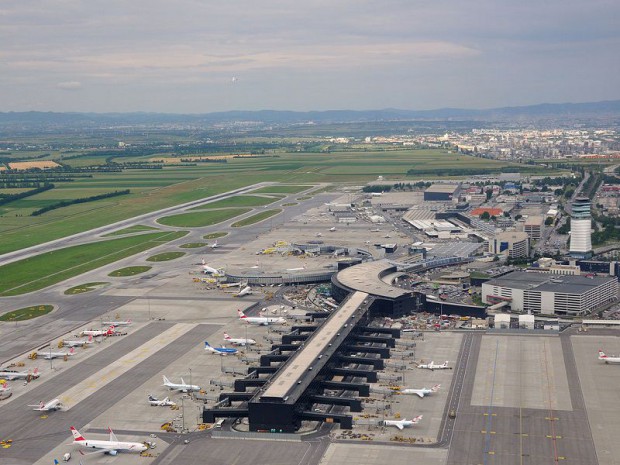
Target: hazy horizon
(197, 57)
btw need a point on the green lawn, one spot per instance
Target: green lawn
(129, 271)
(53, 267)
(131, 229)
(202, 218)
(215, 235)
(193, 245)
(165, 256)
(239, 201)
(27, 313)
(284, 189)
(85, 288)
(256, 218)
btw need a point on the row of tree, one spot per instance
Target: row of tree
(66, 203)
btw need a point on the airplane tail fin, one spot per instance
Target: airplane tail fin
(417, 419)
(227, 336)
(203, 261)
(166, 380)
(207, 345)
(76, 435)
(436, 387)
(601, 354)
(35, 373)
(41, 405)
(241, 314)
(71, 350)
(90, 338)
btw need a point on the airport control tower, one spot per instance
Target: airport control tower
(581, 229)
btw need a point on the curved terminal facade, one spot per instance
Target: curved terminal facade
(580, 229)
(369, 277)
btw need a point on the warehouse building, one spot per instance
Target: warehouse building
(442, 192)
(532, 292)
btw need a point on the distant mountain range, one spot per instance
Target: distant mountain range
(605, 109)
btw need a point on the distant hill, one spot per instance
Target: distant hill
(605, 109)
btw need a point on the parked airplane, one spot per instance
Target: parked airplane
(118, 323)
(238, 341)
(13, 375)
(220, 350)
(214, 245)
(53, 404)
(112, 447)
(608, 358)
(48, 355)
(422, 392)
(182, 386)
(166, 402)
(247, 290)
(261, 320)
(433, 366)
(98, 332)
(404, 423)
(206, 269)
(332, 229)
(77, 342)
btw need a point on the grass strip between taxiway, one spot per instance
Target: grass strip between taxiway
(52, 267)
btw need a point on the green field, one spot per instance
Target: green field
(256, 218)
(131, 229)
(284, 189)
(165, 256)
(53, 267)
(193, 245)
(239, 201)
(27, 313)
(156, 189)
(129, 271)
(85, 288)
(215, 235)
(202, 218)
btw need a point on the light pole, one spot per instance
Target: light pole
(190, 382)
(183, 414)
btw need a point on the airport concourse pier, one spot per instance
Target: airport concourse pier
(325, 368)
(374, 278)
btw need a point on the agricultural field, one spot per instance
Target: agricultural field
(53, 267)
(154, 189)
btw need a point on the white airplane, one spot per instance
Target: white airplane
(166, 402)
(48, 355)
(214, 245)
(422, 392)
(206, 269)
(53, 404)
(247, 290)
(98, 332)
(608, 358)
(332, 229)
(433, 366)
(13, 375)
(238, 341)
(77, 342)
(261, 320)
(118, 323)
(404, 423)
(112, 447)
(4, 390)
(219, 350)
(182, 386)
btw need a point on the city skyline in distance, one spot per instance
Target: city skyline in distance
(204, 57)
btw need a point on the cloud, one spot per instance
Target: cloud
(69, 85)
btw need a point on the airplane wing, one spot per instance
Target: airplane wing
(399, 425)
(98, 451)
(420, 394)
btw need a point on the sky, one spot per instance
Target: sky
(201, 56)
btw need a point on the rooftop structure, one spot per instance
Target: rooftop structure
(441, 192)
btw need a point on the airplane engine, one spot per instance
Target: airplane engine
(113, 452)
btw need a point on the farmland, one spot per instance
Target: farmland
(153, 189)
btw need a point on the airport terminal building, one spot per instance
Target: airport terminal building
(533, 292)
